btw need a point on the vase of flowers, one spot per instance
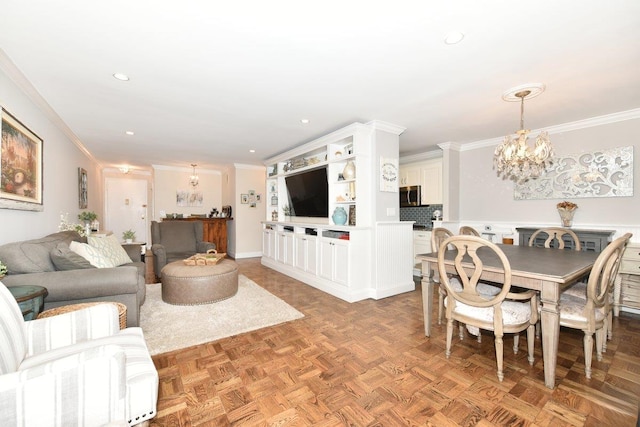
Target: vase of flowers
(566, 211)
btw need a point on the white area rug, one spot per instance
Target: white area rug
(170, 327)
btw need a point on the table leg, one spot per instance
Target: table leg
(427, 297)
(550, 320)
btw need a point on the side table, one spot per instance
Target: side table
(30, 299)
(122, 310)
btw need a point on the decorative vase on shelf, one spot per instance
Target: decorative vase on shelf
(339, 216)
(566, 216)
(349, 171)
(566, 210)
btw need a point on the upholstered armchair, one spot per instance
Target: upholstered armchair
(73, 369)
(176, 240)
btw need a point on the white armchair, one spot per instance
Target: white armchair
(74, 369)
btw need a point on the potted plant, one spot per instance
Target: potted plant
(87, 216)
(286, 210)
(129, 236)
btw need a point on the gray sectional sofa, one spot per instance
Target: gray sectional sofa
(70, 279)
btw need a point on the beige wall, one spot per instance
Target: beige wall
(485, 197)
(168, 180)
(248, 226)
(61, 160)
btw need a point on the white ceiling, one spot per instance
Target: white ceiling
(211, 80)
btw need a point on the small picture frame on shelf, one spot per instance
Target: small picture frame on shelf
(352, 215)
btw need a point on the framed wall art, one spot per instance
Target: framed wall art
(83, 197)
(20, 166)
(600, 173)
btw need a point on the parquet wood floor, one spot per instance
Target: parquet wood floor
(369, 364)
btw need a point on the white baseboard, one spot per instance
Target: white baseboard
(248, 255)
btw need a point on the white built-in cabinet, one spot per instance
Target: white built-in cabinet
(427, 174)
(369, 257)
(421, 245)
(335, 260)
(410, 176)
(306, 253)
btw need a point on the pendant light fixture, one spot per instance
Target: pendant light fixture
(194, 179)
(513, 158)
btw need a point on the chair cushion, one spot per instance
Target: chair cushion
(111, 249)
(513, 313)
(13, 340)
(579, 290)
(65, 259)
(572, 309)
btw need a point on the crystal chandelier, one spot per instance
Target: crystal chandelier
(514, 159)
(193, 179)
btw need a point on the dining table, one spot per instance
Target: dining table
(546, 270)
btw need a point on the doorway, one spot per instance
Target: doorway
(126, 207)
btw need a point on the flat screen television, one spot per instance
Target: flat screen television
(308, 193)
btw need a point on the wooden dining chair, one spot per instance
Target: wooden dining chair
(555, 234)
(502, 313)
(593, 314)
(438, 236)
(468, 231)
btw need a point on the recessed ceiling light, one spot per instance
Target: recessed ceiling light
(121, 76)
(129, 132)
(454, 37)
(252, 151)
(304, 121)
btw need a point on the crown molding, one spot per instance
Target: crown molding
(387, 127)
(117, 171)
(565, 127)
(34, 96)
(189, 169)
(420, 157)
(251, 167)
(454, 146)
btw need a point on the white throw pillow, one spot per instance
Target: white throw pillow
(91, 254)
(110, 248)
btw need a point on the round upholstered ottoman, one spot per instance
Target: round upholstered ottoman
(198, 284)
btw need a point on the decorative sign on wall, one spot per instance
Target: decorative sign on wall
(388, 175)
(603, 173)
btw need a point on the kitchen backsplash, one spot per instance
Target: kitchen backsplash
(421, 215)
